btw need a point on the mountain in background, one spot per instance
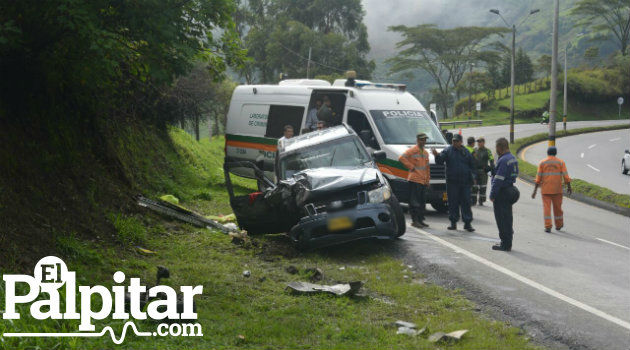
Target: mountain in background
(534, 35)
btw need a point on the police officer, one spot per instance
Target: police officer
(459, 179)
(504, 194)
(551, 172)
(416, 159)
(484, 162)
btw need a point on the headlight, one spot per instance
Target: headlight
(379, 195)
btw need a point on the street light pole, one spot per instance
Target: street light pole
(512, 74)
(512, 84)
(554, 78)
(564, 104)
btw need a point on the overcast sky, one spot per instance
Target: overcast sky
(380, 14)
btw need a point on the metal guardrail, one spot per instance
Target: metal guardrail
(462, 122)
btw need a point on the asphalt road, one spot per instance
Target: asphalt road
(570, 288)
(594, 157)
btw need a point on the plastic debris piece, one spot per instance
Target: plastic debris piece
(144, 251)
(407, 331)
(342, 268)
(350, 288)
(405, 324)
(247, 273)
(441, 336)
(170, 198)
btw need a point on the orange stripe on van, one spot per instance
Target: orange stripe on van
(254, 145)
(393, 171)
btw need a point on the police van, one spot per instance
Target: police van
(385, 116)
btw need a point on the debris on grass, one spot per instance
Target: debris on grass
(350, 288)
(452, 336)
(239, 237)
(405, 324)
(144, 251)
(316, 274)
(408, 328)
(222, 219)
(247, 273)
(170, 198)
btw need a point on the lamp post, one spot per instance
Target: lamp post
(554, 77)
(564, 105)
(498, 13)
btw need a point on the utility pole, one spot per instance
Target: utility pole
(498, 13)
(308, 64)
(470, 90)
(554, 78)
(512, 84)
(564, 98)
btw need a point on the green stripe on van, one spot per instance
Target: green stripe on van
(253, 139)
(393, 163)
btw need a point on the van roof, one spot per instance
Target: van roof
(313, 138)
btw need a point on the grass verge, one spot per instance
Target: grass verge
(256, 312)
(579, 186)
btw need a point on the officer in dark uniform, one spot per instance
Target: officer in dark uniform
(504, 194)
(460, 173)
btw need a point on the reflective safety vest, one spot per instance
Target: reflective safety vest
(417, 162)
(551, 172)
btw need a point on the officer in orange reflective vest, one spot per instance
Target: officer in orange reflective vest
(416, 159)
(551, 172)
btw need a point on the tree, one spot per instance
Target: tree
(543, 64)
(606, 17)
(592, 54)
(281, 32)
(446, 54)
(523, 67)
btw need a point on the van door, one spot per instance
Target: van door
(337, 100)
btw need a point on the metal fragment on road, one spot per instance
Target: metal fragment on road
(350, 288)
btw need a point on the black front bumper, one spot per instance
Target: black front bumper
(371, 220)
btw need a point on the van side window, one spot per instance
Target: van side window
(361, 126)
(279, 116)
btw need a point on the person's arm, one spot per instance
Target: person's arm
(440, 158)
(404, 159)
(567, 179)
(538, 179)
(498, 179)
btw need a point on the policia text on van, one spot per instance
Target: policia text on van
(385, 117)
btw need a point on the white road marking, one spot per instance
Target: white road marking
(592, 167)
(591, 146)
(615, 139)
(530, 283)
(613, 243)
(582, 155)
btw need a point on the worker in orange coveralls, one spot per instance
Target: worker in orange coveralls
(551, 172)
(416, 159)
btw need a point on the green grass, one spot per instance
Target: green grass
(257, 312)
(578, 186)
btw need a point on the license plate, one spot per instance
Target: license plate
(340, 223)
(444, 196)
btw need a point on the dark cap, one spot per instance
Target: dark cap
(421, 136)
(457, 137)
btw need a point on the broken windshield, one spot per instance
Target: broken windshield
(345, 152)
(400, 127)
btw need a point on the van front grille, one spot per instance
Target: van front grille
(438, 171)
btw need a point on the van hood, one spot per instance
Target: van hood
(324, 182)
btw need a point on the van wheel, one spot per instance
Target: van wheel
(399, 216)
(623, 167)
(441, 207)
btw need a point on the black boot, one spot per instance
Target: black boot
(468, 227)
(453, 226)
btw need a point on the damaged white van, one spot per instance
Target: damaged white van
(385, 116)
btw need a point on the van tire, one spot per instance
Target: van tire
(399, 216)
(440, 207)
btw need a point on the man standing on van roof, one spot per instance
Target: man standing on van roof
(311, 117)
(416, 159)
(459, 178)
(551, 172)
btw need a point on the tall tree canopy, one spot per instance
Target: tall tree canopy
(279, 33)
(607, 17)
(446, 54)
(108, 57)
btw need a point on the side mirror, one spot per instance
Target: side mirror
(434, 117)
(379, 155)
